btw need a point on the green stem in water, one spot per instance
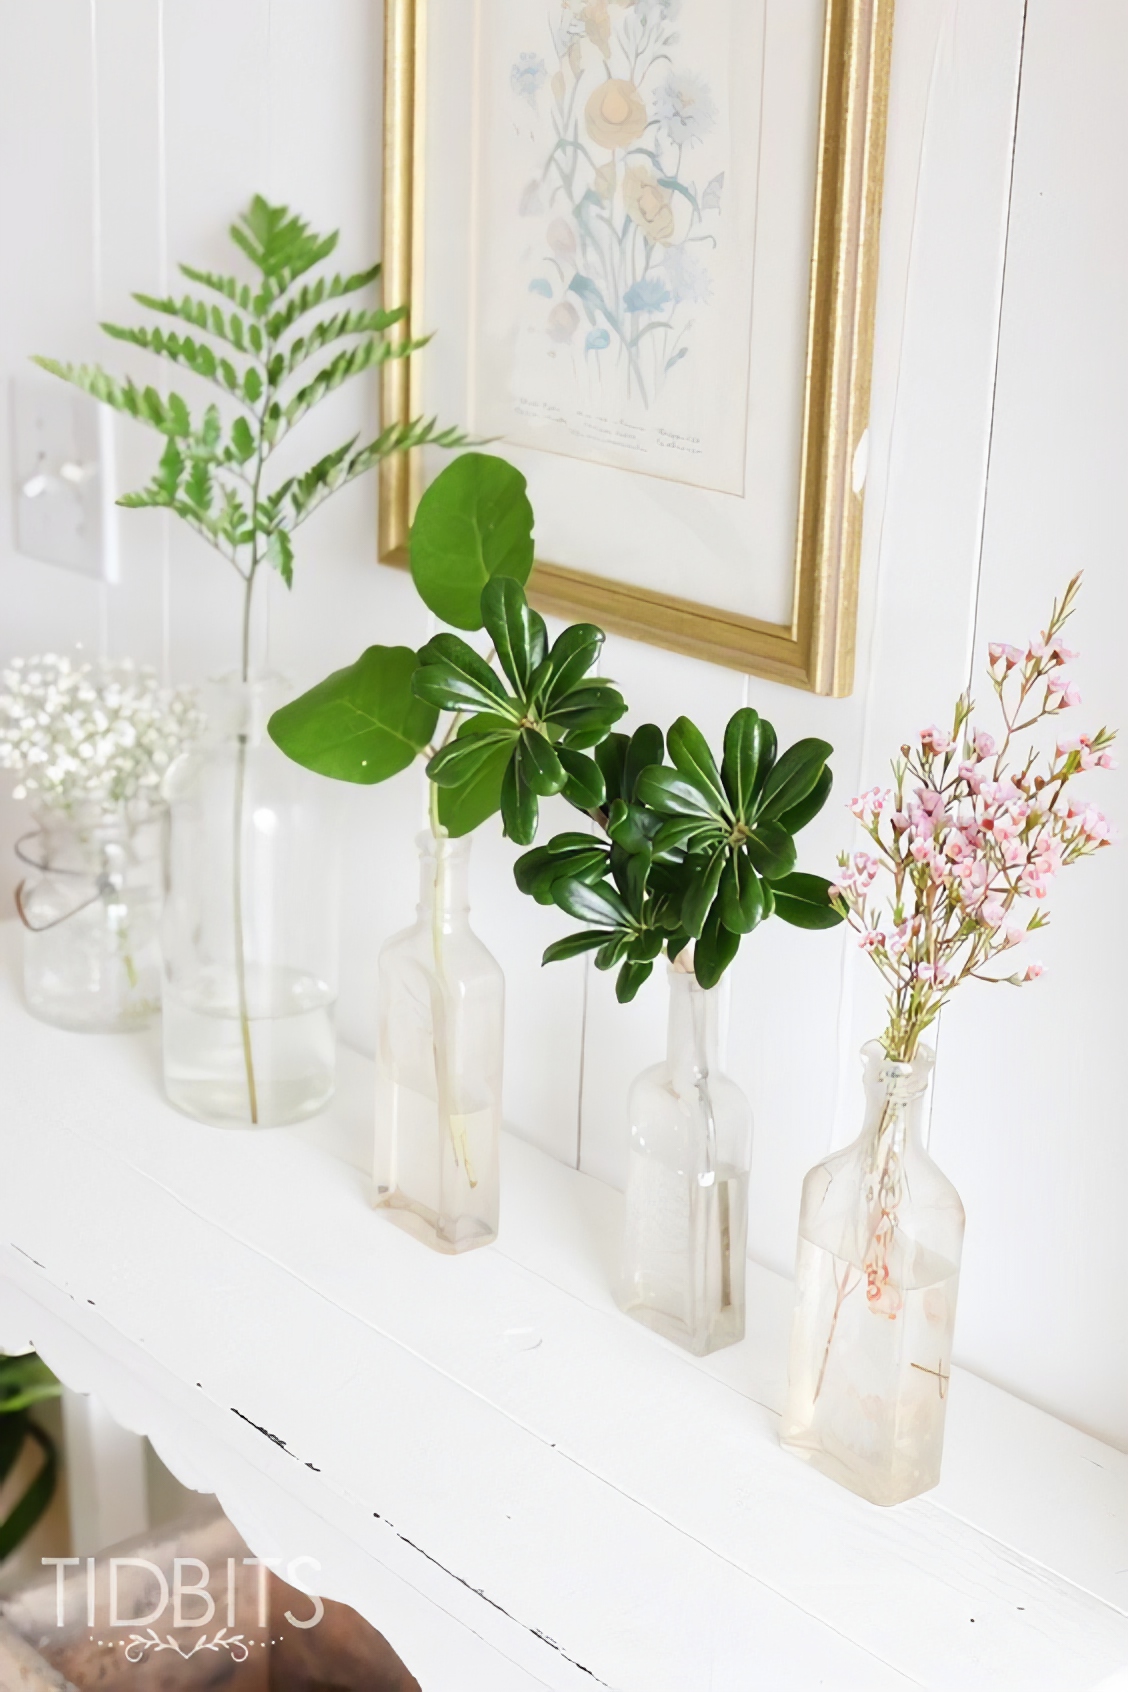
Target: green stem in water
(455, 1126)
(237, 844)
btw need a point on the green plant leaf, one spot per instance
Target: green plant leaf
(611, 755)
(519, 808)
(461, 760)
(599, 904)
(518, 633)
(745, 741)
(584, 786)
(674, 794)
(360, 724)
(541, 767)
(574, 944)
(454, 677)
(771, 849)
(630, 978)
(280, 553)
(474, 522)
(804, 901)
(794, 776)
(801, 814)
(714, 951)
(741, 896)
(702, 890)
(646, 747)
(573, 654)
(465, 807)
(691, 757)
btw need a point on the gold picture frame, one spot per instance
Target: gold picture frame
(815, 650)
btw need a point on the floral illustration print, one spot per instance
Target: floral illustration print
(625, 263)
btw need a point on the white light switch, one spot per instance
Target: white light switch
(63, 467)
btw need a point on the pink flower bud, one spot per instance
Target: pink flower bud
(1033, 971)
(992, 914)
(984, 744)
(934, 740)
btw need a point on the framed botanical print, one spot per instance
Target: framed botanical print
(644, 234)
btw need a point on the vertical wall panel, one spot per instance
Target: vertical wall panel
(1030, 1112)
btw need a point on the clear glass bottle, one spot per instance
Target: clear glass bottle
(442, 1024)
(250, 923)
(90, 909)
(687, 1184)
(880, 1238)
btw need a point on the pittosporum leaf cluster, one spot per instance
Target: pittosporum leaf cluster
(687, 852)
(693, 853)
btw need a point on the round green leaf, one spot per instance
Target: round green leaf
(473, 523)
(361, 724)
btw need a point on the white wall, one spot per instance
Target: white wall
(132, 130)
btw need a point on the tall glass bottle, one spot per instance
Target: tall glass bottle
(880, 1238)
(687, 1184)
(442, 1018)
(249, 931)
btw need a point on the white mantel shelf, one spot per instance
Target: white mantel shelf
(520, 1487)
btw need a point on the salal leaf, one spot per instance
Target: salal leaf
(477, 795)
(714, 951)
(689, 751)
(771, 849)
(804, 901)
(362, 723)
(518, 633)
(745, 740)
(801, 814)
(474, 522)
(794, 776)
(675, 794)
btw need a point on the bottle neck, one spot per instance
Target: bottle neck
(692, 1041)
(444, 881)
(895, 1100)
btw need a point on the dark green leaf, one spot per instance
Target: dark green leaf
(518, 632)
(575, 944)
(692, 758)
(714, 951)
(801, 814)
(360, 724)
(744, 746)
(611, 755)
(613, 951)
(280, 553)
(674, 794)
(646, 747)
(771, 849)
(465, 807)
(461, 760)
(473, 522)
(573, 654)
(600, 905)
(795, 775)
(741, 897)
(804, 901)
(519, 808)
(584, 785)
(676, 943)
(630, 979)
(541, 767)
(41, 1489)
(702, 890)
(453, 676)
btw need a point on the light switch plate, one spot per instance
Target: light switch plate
(63, 468)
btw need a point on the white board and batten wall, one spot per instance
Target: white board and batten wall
(130, 132)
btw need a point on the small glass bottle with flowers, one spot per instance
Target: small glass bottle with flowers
(91, 743)
(965, 846)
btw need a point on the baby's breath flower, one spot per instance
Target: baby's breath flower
(102, 733)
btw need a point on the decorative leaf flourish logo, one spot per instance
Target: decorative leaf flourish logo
(150, 1640)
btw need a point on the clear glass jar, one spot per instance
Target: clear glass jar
(442, 1027)
(90, 909)
(687, 1183)
(880, 1238)
(250, 923)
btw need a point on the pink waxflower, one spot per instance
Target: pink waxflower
(1094, 825)
(935, 974)
(1014, 853)
(871, 940)
(868, 806)
(1015, 935)
(934, 740)
(992, 913)
(1058, 649)
(921, 851)
(1033, 971)
(864, 871)
(938, 869)
(1000, 652)
(1061, 693)
(955, 845)
(899, 938)
(984, 744)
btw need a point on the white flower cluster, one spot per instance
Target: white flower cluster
(90, 732)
